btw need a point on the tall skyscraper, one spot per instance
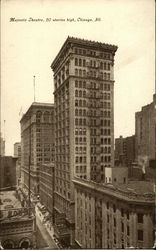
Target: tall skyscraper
(84, 119)
(37, 142)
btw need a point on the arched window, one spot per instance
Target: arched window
(80, 112)
(76, 72)
(38, 116)
(76, 92)
(76, 112)
(75, 61)
(46, 116)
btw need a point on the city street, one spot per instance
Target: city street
(43, 230)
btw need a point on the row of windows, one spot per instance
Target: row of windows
(80, 149)
(80, 169)
(80, 139)
(92, 53)
(80, 62)
(80, 121)
(105, 76)
(105, 66)
(80, 159)
(80, 131)
(80, 84)
(80, 103)
(80, 93)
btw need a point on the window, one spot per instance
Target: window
(107, 205)
(140, 235)
(122, 227)
(80, 62)
(114, 222)
(76, 61)
(140, 218)
(127, 230)
(114, 208)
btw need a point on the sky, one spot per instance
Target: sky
(29, 47)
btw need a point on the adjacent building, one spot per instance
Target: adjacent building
(37, 143)
(145, 131)
(125, 150)
(17, 224)
(17, 153)
(84, 121)
(7, 172)
(2, 146)
(46, 183)
(114, 216)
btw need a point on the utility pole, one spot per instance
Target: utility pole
(34, 89)
(29, 201)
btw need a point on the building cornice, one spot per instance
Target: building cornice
(128, 196)
(85, 43)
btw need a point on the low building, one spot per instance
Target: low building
(17, 224)
(7, 172)
(116, 175)
(114, 216)
(46, 182)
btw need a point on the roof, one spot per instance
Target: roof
(134, 191)
(37, 104)
(85, 42)
(8, 198)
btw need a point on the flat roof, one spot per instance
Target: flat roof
(137, 191)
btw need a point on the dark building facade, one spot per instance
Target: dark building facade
(114, 216)
(125, 150)
(37, 142)
(7, 172)
(84, 120)
(2, 146)
(145, 131)
(17, 153)
(46, 182)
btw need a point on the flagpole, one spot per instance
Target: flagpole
(34, 88)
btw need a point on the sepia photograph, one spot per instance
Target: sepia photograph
(77, 124)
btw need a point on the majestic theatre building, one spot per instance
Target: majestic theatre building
(84, 121)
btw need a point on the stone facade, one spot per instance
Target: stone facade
(84, 118)
(7, 172)
(17, 153)
(108, 216)
(145, 130)
(46, 182)
(125, 150)
(37, 137)
(17, 223)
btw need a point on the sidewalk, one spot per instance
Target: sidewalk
(48, 226)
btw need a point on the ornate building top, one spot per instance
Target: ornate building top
(85, 43)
